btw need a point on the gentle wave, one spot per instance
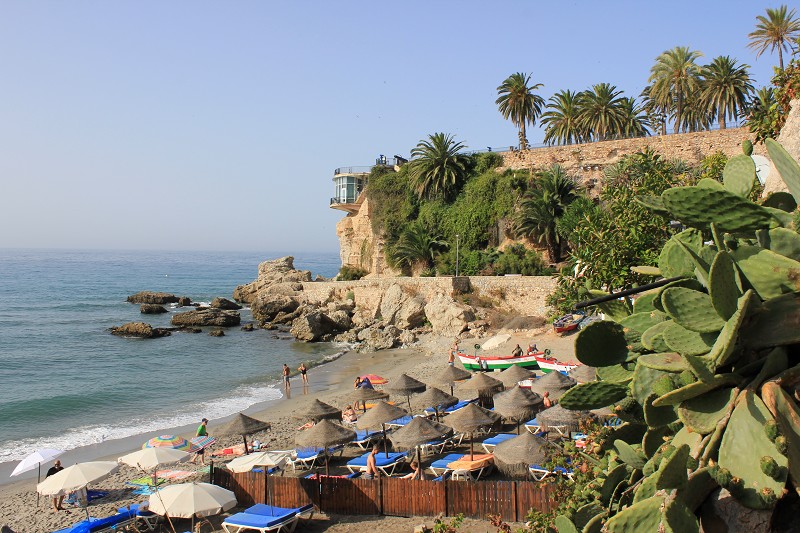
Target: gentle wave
(242, 398)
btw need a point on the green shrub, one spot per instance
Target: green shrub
(486, 161)
(517, 259)
(351, 273)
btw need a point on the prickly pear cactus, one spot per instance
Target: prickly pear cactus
(704, 371)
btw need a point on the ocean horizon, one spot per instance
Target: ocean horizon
(67, 382)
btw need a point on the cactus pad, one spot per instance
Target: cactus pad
(614, 310)
(739, 175)
(653, 440)
(702, 414)
(644, 379)
(786, 165)
(787, 416)
(723, 350)
(672, 472)
(644, 302)
(709, 183)
(691, 309)
(747, 147)
(646, 270)
(564, 525)
(775, 323)
(657, 417)
(601, 344)
(784, 242)
(633, 457)
(780, 200)
(654, 203)
(724, 285)
(699, 206)
(769, 273)
(696, 389)
(653, 338)
(668, 362)
(593, 395)
(615, 373)
(614, 478)
(743, 443)
(673, 260)
(684, 341)
(645, 515)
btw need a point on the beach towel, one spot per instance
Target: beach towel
(479, 461)
(174, 475)
(146, 481)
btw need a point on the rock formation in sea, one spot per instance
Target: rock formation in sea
(140, 330)
(207, 316)
(224, 303)
(150, 297)
(152, 309)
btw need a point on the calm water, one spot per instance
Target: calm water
(66, 382)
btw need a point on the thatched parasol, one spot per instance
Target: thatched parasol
(377, 418)
(451, 375)
(317, 411)
(558, 416)
(436, 399)
(514, 456)
(243, 425)
(553, 382)
(469, 418)
(583, 373)
(514, 374)
(362, 394)
(324, 435)
(419, 431)
(481, 383)
(406, 385)
(518, 404)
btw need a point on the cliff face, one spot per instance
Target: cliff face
(789, 138)
(359, 247)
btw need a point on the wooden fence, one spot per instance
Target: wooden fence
(390, 496)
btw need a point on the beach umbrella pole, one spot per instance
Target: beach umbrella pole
(385, 449)
(244, 438)
(38, 480)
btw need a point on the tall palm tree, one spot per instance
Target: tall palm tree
(543, 206)
(634, 119)
(673, 78)
(416, 246)
(600, 110)
(561, 119)
(696, 115)
(518, 102)
(437, 167)
(775, 31)
(656, 113)
(726, 88)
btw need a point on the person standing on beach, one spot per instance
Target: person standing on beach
(304, 373)
(372, 467)
(202, 431)
(57, 500)
(452, 359)
(286, 372)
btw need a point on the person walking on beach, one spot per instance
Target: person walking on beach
(202, 431)
(304, 373)
(57, 500)
(372, 467)
(452, 359)
(286, 372)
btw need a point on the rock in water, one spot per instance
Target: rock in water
(207, 317)
(224, 303)
(183, 301)
(277, 271)
(139, 329)
(151, 309)
(149, 297)
(216, 333)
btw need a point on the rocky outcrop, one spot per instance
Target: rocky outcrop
(139, 330)
(379, 338)
(448, 317)
(267, 307)
(183, 301)
(224, 303)
(401, 309)
(207, 317)
(789, 138)
(216, 333)
(313, 326)
(274, 272)
(149, 297)
(151, 309)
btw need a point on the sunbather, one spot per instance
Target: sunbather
(416, 472)
(349, 414)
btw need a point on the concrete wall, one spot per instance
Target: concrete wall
(524, 295)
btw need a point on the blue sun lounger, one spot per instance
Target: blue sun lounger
(490, 443)
(385, 464)
(533, 426)
(90, 525)
(439, 467)
(278, 520)
(308, 457)
(400, 422)
(430, 411)
(365, 437)
(539, 472)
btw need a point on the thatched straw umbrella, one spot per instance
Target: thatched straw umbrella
(406, 385)
(558, 416)
(514, 456)
(583, 373)
(363, 395)
(436, 399)
(518, 404)
(243, 425)
(451, 375)
(317, 411)
(554, 383)
(470, 418)
(324, 435)
(377, 418)
(419, 431)
(514, 374)
(484, 385)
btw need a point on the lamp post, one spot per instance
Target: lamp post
(456, 254)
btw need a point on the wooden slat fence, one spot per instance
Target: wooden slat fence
(391, 496)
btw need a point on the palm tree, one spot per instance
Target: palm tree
(437, 166)
(416, 246)
(726, 88)
(777, 30)
(600, 111)
(656, 113)
(634, 119)
(543, 205)
(673, 78)
(561, 119)
(518, 103)
(696, 115)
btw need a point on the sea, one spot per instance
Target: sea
(66, 382)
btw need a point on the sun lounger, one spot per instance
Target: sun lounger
(385, 464)
(400, 422)
(471, 469)
(308, 457)
(539, 473)
(463, 403)
(365, 437)
(282, 521)
(435, 446)
(439, 466)
(490, 443)
(613, 422)
(115, 522)
(142, 513)
(533, 426)
(305, 512)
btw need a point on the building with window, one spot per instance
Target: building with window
(350, 182)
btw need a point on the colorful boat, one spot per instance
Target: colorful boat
(499, 362)
(567, 323)
(549, 363)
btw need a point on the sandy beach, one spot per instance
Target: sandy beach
(331, 383)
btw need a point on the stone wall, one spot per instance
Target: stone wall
(524, 295)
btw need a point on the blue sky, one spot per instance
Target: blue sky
(203, 125)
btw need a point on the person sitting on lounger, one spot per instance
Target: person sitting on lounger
(349, 415)
(372, 468)
(416, 472)
(546, 401)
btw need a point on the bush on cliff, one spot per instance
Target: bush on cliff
(350, 273)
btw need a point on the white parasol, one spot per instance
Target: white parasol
(76, 477)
